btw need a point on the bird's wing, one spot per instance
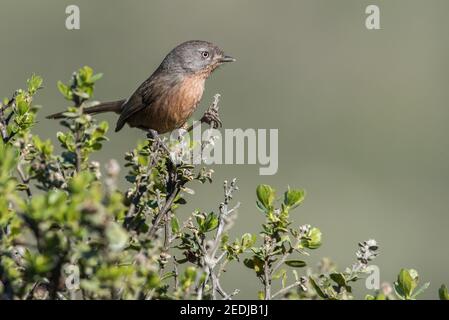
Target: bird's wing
(140, 99)
(152, 89)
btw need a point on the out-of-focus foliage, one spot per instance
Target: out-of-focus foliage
(68, 232)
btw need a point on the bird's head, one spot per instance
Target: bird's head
(195, 57)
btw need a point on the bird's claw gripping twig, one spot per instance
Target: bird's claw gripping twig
(211, 116)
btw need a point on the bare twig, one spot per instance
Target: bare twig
(25, 180)
(163, 212)
(286, 289)
(210, 258)
(267, 281)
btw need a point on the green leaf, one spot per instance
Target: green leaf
(117, 236)
(248, 240)
(97, 146)
(61, 137)
(317, 288)
(22, 187)
(295, 263)
(407, 281)
(64, 90)
(96, 77)
(399, 291)
(292, 198)
(254, 263)
(209, 223)
(84, 75)
(168, 275)
(339, 279)
(175, 225)
(34, 84)
(281, 274)
(443, 293)
(39, 264)
(266, 196)
(79, 183)
(22, 104)
(189, 277)
(82, 94)
(313, 239)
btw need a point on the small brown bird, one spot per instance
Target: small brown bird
(171, 94)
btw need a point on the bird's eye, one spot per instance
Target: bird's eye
(205, 54)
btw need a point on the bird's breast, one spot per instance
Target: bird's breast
(186, 97)
(172, 108)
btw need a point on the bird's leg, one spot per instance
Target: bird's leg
(211, 116)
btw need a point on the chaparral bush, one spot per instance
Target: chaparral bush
(68, 232)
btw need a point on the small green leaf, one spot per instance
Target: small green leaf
(117, 236)
(22, 104)
(61, 137)
(407, 281)
(313, 239)
(266, 196)
(317, 288)
(248, 240)
(22, 187)
(292, 198)
(190, 273)
(34, 83)
(168, 275)
(175, 225)
(295, 263)
(208, 224)
(64, 90)
(82, 94)
(339, 279)
(96, 77)
(443, 293)
(254, 263)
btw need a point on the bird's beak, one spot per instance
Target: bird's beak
(227, 59)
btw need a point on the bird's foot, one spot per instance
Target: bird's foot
(211, 116)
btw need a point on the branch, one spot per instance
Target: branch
(286, 289)
(163, 212)
(24, 180)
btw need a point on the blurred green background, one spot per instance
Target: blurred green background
(362, 115)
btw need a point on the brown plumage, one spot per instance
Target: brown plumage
(171, 94)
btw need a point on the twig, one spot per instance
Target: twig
(210, 258)
(284, 258)
(286, 289)
(4, 121)
(267, 281)
(163, 212)
(24, 180)
(78, 134)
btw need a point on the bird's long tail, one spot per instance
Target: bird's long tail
(113, 106)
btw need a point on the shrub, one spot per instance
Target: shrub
(68, 232)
